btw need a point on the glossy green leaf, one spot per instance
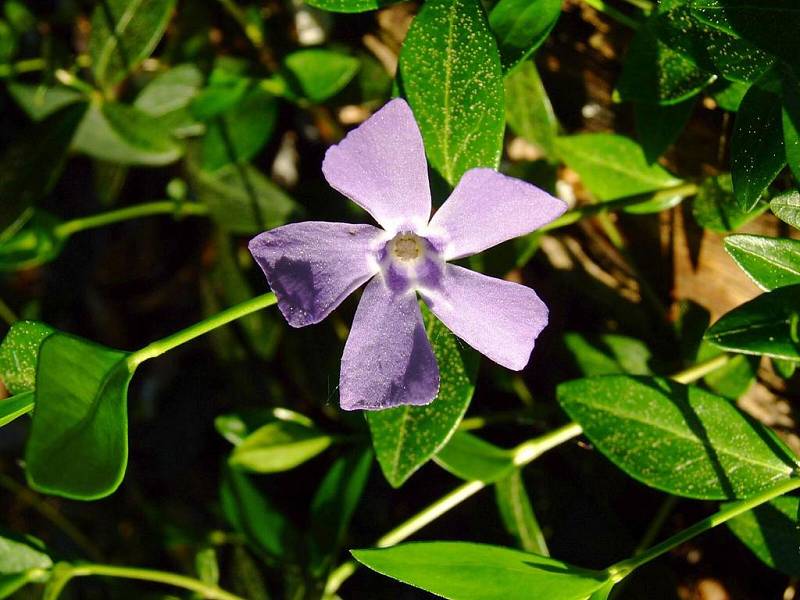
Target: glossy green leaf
(36, 243)
(771, 532)
(766, 23)
(766, 325)
(769, 262)
(406, 437)
(123, 134)
(676, 438)
(242, 200)
(39, 101)
(240, 133)
(31, 165)
(786, 207)
(15, 406)
(350, 6)
(608, 354)
(656, 72)
(124, 33)
(279, 446)
(470, 458)
(657, 126)
(465, 571)
(451, 76)
(521, 26)
(757, 149)
(18, 554)
(715, 207)
(528, 110)
(612, 166)
(316, 74)
(78, 447)
(252, 514)
(333, 507)
(19, 353)
(517, 514)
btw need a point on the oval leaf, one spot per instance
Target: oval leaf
(767, 325)
(528, 109)
(18, 554)
(78, 447)
(521, 26)
(787, 207)
(676, 438)
(464, 571)
(451, 75)
(471, 458)
(317, 74)
(769, 262)
(406, 437)
(279, 446)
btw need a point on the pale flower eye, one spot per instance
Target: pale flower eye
(406, 247)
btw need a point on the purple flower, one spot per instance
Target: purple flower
(313, 266)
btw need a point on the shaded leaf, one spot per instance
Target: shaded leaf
(451, 76)
(676, 438)
(36, 243)
(172, 90)
(521, 26)
(471, 458)
(657, 127)
(278, 446)
(461, 571)
(528, 110)
(769, 262)
(715, 207)
(316, 74)
(39, 101)
(517, 514)
(15, 406)
(406, 437)
(608, 354)
(791, 121)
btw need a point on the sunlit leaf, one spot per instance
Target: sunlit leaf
(786, 207)
(521, 26)
(19, 353)
(316, 74)
(528, 110)
(18, 554)
(350, 6)
(769, 262)
(278, 446)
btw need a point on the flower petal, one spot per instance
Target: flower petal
(487, 208)
(381, 166)
(313, 266)
(388, 360)
(498, 318)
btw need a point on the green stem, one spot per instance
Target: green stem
(147, 209)
(7, 314)
(623, 568)
(701, 369)
(24, 66)
(656, 524)
(614, 13)
(188, 583)
(166, 344)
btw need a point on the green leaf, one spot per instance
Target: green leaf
(31, 165)
(791, 121)
(729, 94)
(517, 514)
(169, 91)
(406, 437)
(771, 532)
(612, 166)
(13, 582)
(451, 75)
(123, 134)
(465, 571)
(207, 566)
(39, 101)
(8, 43)
(124, 33)
(757, 148)
(242, 200)
(241, 132)
(333, 507)
(78, 447)
(251, 514)
(19, 16)
(784, 368)
(732, 379)
(715, 206)
(19, 353)
(766, 23)
(769, 262)
(36, 243)
(18, 554)
(316, 74)
(786, 207)
(657, 126)
(350, 6)
(608, 354)
(656, 72)
(471, 458)
(521, 26)
(528, 109)
(15, 406)
(279, 446)
(766, 325)
(677, 438)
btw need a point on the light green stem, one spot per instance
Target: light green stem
(224, 317)
(623, 568)
(188, 583)
(701, 369)
(161, 207)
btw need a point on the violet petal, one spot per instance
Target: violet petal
(500, 319)
(388, 360)
(381, 166)
(313, 266)
(487, 208)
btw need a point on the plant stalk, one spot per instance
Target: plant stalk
(161, 207)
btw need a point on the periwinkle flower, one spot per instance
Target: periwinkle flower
(313, 266)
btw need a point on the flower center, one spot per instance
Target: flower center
(406, 247)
